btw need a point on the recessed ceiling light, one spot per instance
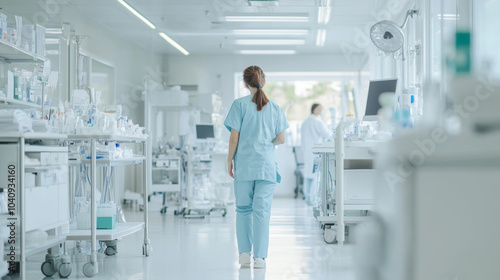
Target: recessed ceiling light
(270, 42)
(266, 18)
(321, 38)
(265, 3)
(173, 43)
(324, 14)
(137, 14)
(270, 32)
(267, 52)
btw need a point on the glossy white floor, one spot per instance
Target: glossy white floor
(206, 249)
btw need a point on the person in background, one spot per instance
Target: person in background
(313, 131)
(257, 125)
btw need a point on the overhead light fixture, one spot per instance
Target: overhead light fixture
(324, 14)
(270, 42)
(51, 41)
(137, 14)
(265, 52)
(266, 18)
(270, 32)
(56, 31)
(173, 43)
(448, 16)
(263, 3)
(321, 38)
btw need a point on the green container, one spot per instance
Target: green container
(106, 222)
(462, 52)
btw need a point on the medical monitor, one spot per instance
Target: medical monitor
(377, 87)
(204, 131)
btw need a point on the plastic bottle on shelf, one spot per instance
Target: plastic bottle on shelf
(350, 125)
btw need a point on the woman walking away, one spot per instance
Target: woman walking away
(257, 125)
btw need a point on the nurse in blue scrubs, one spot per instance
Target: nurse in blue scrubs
(257, 125)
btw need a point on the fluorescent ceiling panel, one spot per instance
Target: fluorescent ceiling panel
(173, 43)
(137, 14)
(324, 14)
(270, 42)
(267, 52)
(266, 18)
(321, 38)
(261, 3)
(270, 32)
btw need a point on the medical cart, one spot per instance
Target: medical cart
(122, 229)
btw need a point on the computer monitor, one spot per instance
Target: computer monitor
(377, 87)
(204, 131)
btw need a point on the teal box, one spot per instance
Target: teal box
(106, 222)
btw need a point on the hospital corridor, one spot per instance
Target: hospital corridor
(249, 139)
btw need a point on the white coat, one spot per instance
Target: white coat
(313, 131)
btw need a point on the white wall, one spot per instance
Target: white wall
(204, 71)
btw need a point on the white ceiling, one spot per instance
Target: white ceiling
(197, 25)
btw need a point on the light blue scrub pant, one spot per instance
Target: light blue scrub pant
(253, 213)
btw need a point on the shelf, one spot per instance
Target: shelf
(51, 242)
(121, 230)
(112, 162)
(36, 168)
(166, 168)
(35, 136)
(19, 103)
(39, 149)
(164, 188)
(12, 53)
(347, 219)
(116, 138)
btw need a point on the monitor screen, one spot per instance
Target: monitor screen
(204, 131)
(375, 90)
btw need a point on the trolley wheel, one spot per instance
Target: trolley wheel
(224, 213)
(89, 269)
(48, 269)
(330, 236)
(146, 250)
(110, 251)
(176, 213)
(65, 270)
(163, 210)
(141, 208)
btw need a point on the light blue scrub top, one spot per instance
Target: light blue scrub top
(255, 157)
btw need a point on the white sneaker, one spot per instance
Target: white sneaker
(244, 259)
(259, 263)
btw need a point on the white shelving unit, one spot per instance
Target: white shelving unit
(172, 174)
(14, 148)
(12, 53)
(122, 229)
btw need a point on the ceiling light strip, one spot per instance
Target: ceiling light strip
(267, 18)
(270, 32)
(173, 43)
(270, 42)
(265, 52)
(137, 14)
(321, 38)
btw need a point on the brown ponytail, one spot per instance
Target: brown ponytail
(254, 77)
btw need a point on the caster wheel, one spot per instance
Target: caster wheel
(224, 213)
(163, 210)
(176, 213)
(141, 208)
(110, 251)
(65, 270)
(146, 250)
(330, 236)
(89, 269)
(48, 269)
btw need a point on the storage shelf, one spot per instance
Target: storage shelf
(116, 138)
(166, 168)
(35, 136)
(18, 103)
(347, 219)
(38, 149)
(51, 242)
(121, 230)
(112, 162)
(12, 53)
(36, 168)
(164, 188)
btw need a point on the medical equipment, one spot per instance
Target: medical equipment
(204, 131)
(376, 88)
